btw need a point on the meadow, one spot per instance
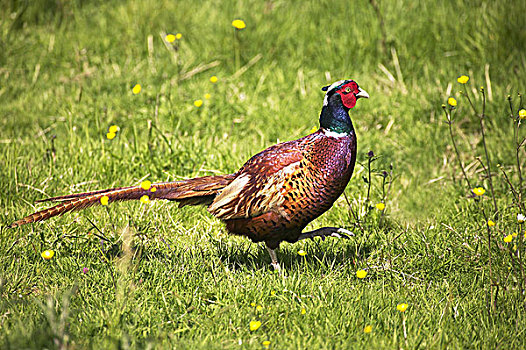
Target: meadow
(151, 275)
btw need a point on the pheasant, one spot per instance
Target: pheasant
(274, 195)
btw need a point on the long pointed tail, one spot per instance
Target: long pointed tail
(200, 190)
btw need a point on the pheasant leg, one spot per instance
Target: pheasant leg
(327, 232)
(273, 258)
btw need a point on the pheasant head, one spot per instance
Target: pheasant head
(340, 97)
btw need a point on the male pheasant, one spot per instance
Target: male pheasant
(274, 195)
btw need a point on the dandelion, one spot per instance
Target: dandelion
(253, 304)
(111, 135)
(401, 307)
(198, 103)
(452, 102)
(213, 79)
(521, 218)
(153, 189)
(463, 79)
(272, 292)
(478, 191)
(361, 274)
(301, 252)
(266, 344)
(508, 238)
(136, 89)
(207, 96)
(85, 270)
(48, 254)
(104, 200)
(145, 199)
(238, 24)
(254, 325)
(303, 311)
(145, 185)
(259, 308)
(522, 114)
(380, 206)
(314, 129)
(170, 38)
(368, 329)
(491, 223)
(113, 129)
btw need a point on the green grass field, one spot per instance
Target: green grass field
(133, 275)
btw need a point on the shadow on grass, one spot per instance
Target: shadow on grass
(320, 255)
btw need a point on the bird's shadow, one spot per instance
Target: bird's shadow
(319, 254)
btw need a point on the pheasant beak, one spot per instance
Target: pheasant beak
(362, 93)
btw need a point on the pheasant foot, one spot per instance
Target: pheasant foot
(327, 232)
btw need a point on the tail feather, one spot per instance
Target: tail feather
(200, 190)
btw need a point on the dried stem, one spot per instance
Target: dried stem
(481, 119)
(492, 296)
(380, 18)
(449, 122)
(517, 151)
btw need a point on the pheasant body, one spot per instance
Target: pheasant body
(274, 195)
(319, 167)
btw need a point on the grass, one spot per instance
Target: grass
(169, 278)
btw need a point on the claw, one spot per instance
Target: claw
(345, 232)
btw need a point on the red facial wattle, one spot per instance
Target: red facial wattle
(348, 100)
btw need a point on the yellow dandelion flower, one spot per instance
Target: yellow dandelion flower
(368, 329)
(478, 191)
(111, 135)
(48, 254)
(452, 102)
(178, 36)
(207, 96)
(491, 223)
(259, 308)
(272, 292)
(238, 24)
(301, 252)
(113, 129)
(253, 304)
(136, 89)
(313, 130)
(104, 200)
(254, 325)
(508, 238)
(213, 79)
(170, 38)
(361, 273)
(463, 79)
(153, 189)
(145, 199)
(145, 185)
(303, 311)
(266, 344)
(522, 114)
(198, 103)
(401, 307)
(380, 206)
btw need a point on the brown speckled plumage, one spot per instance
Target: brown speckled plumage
(274, 195)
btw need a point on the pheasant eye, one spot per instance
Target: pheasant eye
(347, 89)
